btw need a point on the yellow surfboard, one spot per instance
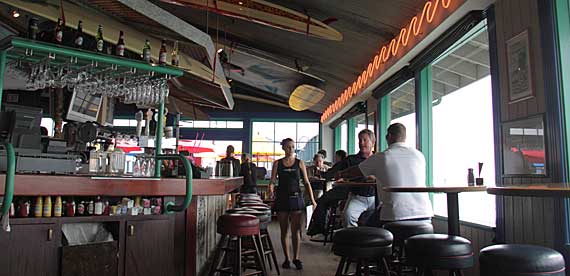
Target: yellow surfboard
(265, 13)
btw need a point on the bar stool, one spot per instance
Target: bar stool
(363, 245)
(519, 260)
(438, 251)
(234, 228)
(402, 230)
(264, 220)
(253, 204)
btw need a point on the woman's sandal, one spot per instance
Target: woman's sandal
(286, 264)
(298, 264)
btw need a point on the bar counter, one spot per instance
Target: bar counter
(182, 242)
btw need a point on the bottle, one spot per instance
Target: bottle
(175, 57)
(38, 207)
(470, 177)
(57, 207)
(120, 51)
(70, 208)
(58, 34)
(146, 51)
(81, 208)
(33, 28)
(90, 208)
(78, 41)
(162, 53)
(99, 39)
(98, 208)
(47, 207)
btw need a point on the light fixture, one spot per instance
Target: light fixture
(15, 13)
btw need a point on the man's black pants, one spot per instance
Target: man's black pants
(327, 200)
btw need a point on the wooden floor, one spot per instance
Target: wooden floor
(317, 259)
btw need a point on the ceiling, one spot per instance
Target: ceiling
(330, 65)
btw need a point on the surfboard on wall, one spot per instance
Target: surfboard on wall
(265, 13)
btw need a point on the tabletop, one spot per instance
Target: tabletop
(353, 184)
(450, 189)
(543, 190)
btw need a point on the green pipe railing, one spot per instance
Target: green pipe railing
(10, 174)
(170, 206)
(158, 134)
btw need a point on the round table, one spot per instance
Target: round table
(452, 200)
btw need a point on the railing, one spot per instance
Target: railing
(10, 173)
(170, 206)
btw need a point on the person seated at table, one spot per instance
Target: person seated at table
(249, 172)
(361, 199)
(314, 171)
(231, 159)
(324, 154)
(339, 155)
(397, 166)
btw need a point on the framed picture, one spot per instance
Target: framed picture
(519, 70)
(524, 149)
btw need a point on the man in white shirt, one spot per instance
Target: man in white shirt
(397, 166)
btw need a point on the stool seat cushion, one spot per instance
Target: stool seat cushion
(521, 259)
(363, 237)
(256, 204)
(233, 210)
(262, 216)
(402, 230)
(238, 225)
(439, 251)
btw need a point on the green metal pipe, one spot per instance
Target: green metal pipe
(81, 54)
(2, 69)
(171, 207)
(158, 138)
(9, 182)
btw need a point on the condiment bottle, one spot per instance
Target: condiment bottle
(90, 208)
(47, 207)
(12, 210)
(57, 207)
(81, 208)
(71, 208)
(23, 209)
(38, 207)
(470, 177)
(98, 210)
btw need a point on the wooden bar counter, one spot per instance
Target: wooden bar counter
(176, 244)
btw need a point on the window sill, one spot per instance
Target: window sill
(490, 228)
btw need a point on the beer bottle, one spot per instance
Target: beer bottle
(175, 57)
(58, 33)
(99, 39)
(121, 45)
(78, 41)
(146, 51)
(33, 28)
(162, 53)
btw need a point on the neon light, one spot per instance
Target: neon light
(389, 50)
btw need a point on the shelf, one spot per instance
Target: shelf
(62, 220)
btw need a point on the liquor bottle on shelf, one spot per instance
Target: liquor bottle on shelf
(58, 33)
(98, 208)
(146, 51)
(175, 57)
(90, 208)
(120, 51)
(57, 209)
(78, 41)
(162, 52)
(47, 207)
(33, 28)
(99, 39)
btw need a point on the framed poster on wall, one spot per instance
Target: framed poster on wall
(524, 149)
(519, 69)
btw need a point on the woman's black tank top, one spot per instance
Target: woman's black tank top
(289, 178)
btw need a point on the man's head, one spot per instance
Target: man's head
(366, 141)
(245, 157)
(323, 153)
(339, 155)
(396, 133)
(318, 160)
(230, 151)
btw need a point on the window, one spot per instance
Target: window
(462, 118)
(210, 124)
(403, 109)
(127, 123)
(344, 136)
(360, 123)
(266, 138)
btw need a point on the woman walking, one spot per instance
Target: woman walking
(289, 203)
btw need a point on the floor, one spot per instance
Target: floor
(317, 259)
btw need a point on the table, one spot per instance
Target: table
(354, 184)
(452, 200)
(532, 190)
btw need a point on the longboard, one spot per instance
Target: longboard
(265, 13)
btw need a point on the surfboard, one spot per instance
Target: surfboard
(265, 13)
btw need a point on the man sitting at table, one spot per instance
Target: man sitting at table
(397, 166)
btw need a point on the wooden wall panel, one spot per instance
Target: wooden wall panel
(479, 238)
(209, 209)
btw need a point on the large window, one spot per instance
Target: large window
(344, 136)
(403, 109)
(462, 118)
(267, 136)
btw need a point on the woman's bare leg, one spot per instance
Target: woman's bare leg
(283, 218)
(296, 218)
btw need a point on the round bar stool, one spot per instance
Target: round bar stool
(438, 251)
(237, 209)
(264, 219)
(229, 253)
(253, 204)
(402, 230)
(363, 245)
(249, 201)
(519, 260)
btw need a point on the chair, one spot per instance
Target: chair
(520, 260)
(430, 252)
